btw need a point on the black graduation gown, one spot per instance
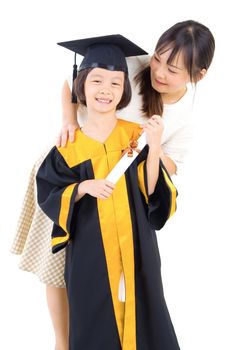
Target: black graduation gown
(106, 237)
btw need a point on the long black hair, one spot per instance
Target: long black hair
(197, 44)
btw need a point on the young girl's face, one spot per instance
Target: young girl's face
(103, 89)
(168, 78)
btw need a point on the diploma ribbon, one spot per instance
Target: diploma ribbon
(128, 156)
(133, 144)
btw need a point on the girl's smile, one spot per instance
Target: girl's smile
(103, 100)
(103, 90)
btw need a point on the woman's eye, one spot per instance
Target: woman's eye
(96, 81)
(171, 71)
(116, 84)
(156, 59)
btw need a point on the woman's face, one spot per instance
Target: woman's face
(168, 78)
(104, 89)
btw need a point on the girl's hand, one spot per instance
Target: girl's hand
(154, 129)
(101, 189)
(67, 133)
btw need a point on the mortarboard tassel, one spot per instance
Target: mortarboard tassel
(74, 97)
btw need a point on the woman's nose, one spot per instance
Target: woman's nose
(160, 72)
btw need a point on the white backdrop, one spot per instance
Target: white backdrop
(195, 245)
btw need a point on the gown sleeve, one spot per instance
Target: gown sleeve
(57, 187)
(162, 202)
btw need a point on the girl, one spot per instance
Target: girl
(109, 228)
(183, 54)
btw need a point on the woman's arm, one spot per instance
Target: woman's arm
(154, 181)
(153, 129)
(152, 169)
(168, 163)
(69, 121)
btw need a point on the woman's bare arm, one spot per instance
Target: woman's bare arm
(69, 121)
(168, 163)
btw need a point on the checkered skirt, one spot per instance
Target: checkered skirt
(33, 239)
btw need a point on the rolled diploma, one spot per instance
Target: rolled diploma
(124, 163)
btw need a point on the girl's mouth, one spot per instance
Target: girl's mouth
(104, 100)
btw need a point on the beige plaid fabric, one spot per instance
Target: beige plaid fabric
(33, 239)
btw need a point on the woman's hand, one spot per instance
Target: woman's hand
(67, 133)
(101, 189)
(154, 129)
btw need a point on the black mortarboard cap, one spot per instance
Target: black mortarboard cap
(107, 52)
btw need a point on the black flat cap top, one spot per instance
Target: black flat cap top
(104, 51)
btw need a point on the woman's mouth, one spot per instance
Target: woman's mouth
(160, 82)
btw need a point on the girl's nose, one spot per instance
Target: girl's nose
(104, 91)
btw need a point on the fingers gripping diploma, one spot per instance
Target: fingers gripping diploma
(101, 189)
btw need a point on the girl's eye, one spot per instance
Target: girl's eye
(116, 84)
(96, 81)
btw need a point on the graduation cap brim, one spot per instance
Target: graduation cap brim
(81, 46)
